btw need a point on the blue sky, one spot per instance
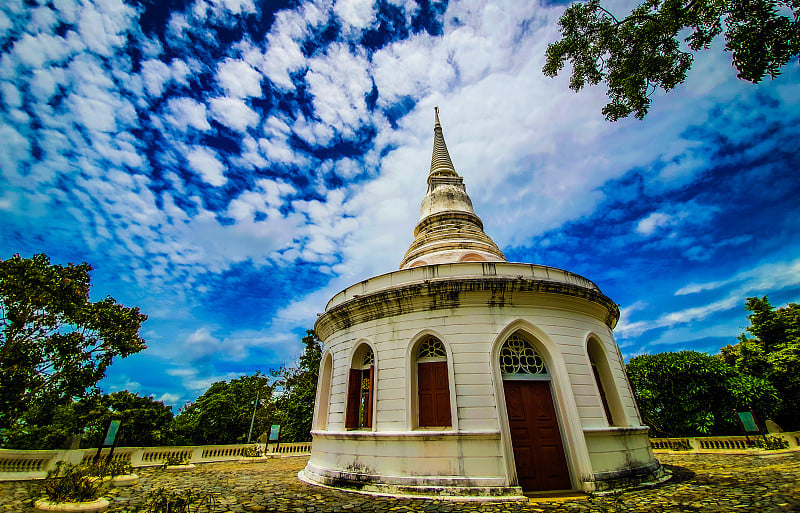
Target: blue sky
(229, 165)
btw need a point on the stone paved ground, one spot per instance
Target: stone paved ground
(700, 483)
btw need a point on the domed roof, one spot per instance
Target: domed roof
(448, 230)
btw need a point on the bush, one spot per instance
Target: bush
(186, 501)
(771, 443)
(175, 459)
(70, 483)
(105, 468)
(252, 452)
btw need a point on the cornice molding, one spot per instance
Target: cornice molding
(453, 292)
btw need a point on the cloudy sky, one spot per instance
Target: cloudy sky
(228, 165)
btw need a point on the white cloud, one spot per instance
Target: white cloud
(761, 279)
(355, 15)
(156, 74)
(14, 151)
(649, 224)
(42, 19)
(205, 162)
(239, 79)
(103, 25)
(5, 24)
(168, 398)
(45, 81)
(338, 82)
(180, 71)
(36, 51)
(233, 113)
(283, 54)
(186, 112)
(11, 96)
(235, 6)
(690, 213)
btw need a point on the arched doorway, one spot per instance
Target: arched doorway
(535, 434)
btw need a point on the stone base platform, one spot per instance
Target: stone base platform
(454, 492)
(644, 476)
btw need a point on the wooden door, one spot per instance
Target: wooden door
(535, 436)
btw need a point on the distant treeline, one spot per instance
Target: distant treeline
(222, 415)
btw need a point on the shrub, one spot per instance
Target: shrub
(105, 468)
(70, 483)
(186, 501)
(771, 443)
(175, 458)
(252, 452)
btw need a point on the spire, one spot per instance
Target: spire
(440, 160)
(448, 230)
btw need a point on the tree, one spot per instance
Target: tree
(223, 413)
(688, 393)
(642, 52)
(295, 407)
(772, 353)
(55, 344)
(145, 423)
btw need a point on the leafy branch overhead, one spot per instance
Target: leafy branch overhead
(642, 52)
(55, 344)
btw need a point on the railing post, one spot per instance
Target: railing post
(136, 457)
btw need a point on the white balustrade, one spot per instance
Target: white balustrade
(21, 465)
(710, 444)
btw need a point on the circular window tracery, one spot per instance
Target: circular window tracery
(431, 348)
(517, 356)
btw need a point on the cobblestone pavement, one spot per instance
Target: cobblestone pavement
(699, 483)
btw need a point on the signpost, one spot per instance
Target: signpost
(110, 440)
(275, 435)
(748, 422)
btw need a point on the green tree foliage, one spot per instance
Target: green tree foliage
(642, 52)
(145, 423)
(43, 427)
(688, 393)
(295, 407)
(772, 352)
(55, 344)
(222, 414)
(681, 393)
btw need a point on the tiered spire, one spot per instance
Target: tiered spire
(440, 160)
(448, 230)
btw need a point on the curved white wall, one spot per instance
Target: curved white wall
(472, 318)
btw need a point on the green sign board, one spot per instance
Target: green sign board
(748, 422)
(113, 427)
(274, 432)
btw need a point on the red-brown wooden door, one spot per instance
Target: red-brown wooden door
(535, 436)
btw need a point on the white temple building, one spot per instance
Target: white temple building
(464, 374)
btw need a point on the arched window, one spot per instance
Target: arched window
(324, 395)
(433, 389)
(519, 358)
(360, 389)
(605, 384)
